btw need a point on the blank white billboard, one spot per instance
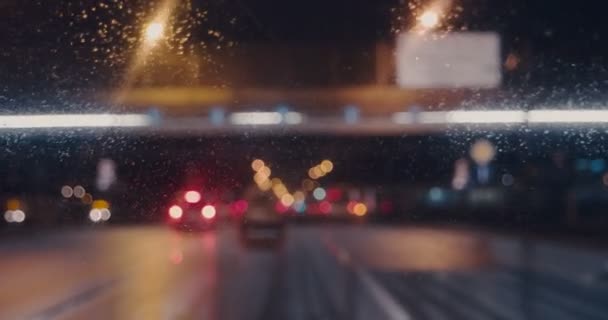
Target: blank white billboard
(454, 60)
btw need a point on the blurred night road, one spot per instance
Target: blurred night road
(322, 272)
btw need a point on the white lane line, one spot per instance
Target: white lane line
(387, 303)
(81, 297)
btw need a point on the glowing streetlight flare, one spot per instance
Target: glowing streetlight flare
(429, 19)
(287, 200)
(257, 164)
(327, 166)
(279, 190)
(313, 174)
(482, 152)
(154, 32)
(265, 171)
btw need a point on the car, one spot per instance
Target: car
(190, 212)
(261, 225)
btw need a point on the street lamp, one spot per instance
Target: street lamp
(154, 32)
(483, 152)
(429, 19)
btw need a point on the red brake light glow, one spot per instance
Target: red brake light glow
(175, 212)
(325, 207)
(208, 212)
(240, 206)
(280, 208)
(192, 196)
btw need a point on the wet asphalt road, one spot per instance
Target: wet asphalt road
(152, 272)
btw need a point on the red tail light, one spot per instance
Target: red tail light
(280, 208)
(325, 207)
(175, 212)
(192, 196)
(208, 212)
(240, 206)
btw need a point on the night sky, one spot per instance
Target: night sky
(50, 49)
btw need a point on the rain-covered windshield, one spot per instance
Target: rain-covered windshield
(235, 159)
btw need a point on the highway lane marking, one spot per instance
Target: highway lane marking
(322, 294)
(393, 309)
(85, 295)
(383, 297)
(81, 294)
(276, 290)
(177, 301)
(419, 308)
